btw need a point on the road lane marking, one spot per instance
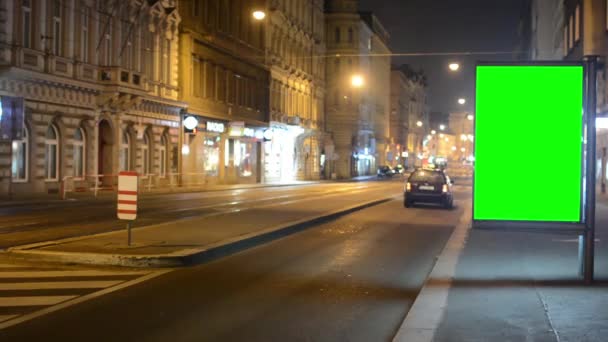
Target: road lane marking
(7, 317)
(80, 299)
(33, 300)
(50, 285)
(58, 274)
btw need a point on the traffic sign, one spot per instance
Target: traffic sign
(127, 195)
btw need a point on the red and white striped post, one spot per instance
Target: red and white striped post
(127, 199)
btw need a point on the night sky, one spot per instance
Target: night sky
(447, 26)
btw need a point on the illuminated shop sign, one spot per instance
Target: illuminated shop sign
(214, 126)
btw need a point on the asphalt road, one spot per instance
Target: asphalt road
(26, 224)
(351, 279)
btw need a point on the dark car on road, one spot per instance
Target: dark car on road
(428, 186)
(385, 171)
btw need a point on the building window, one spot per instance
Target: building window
(148, 55)
(107, 41)
(369, 44)
(79, 153)
(162, 150)
(350, 35)
(26, 22)
(126, 48)
(20, 158)
(571, 32)
(51, 154)
(84, 34)
(577, 23)
(57, 34)
(145, 156)
(337, 35)
(566, 46)
(166, 67)
(196, 8)
(125, 152)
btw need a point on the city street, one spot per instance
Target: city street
(353, 278)
(32, 223)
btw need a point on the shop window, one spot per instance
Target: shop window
(51, 155)
(211, 155)
(79, 153)
(20, 158)
(125, 152)
(162, 150)
(244, 153)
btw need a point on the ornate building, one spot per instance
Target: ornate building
(96, 85)
(295, 50)
(358, 74)
(225, 82)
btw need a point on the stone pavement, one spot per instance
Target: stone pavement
(515, 286)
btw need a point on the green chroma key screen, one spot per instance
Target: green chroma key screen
(528, 143)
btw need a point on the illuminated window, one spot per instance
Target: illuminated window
(125, 152)
(145, 156)
(20, 158)
(79, 153)
(51, 155)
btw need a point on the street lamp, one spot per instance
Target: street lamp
(259, 15)
(357, 81)
(454, 66)
(419, 123)
(442, 127)
(470, 117)
(433, 132)
(462, 101)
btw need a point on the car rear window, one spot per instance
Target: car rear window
(425, 176)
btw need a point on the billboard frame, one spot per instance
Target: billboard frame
(577, 227)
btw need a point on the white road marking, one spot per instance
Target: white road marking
(80, 299)
(59, 285)
(7, 317)
(58, 274)
(33, 300)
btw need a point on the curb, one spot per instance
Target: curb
(184, 257)
(426, 313)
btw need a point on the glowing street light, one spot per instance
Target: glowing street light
(259, 15)
(462, 101)
(470, 117)
(463, 149)
(453, 148)
(442, 127)
(419, 123)
(463, 137)
(454, 66)
(357, 81)
(433, 132)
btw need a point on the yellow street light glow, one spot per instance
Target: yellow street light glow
(441, 135)
(357, 81)
(259, 15)
(454, 66)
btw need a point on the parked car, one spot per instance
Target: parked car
(428, 186)
(385, 171)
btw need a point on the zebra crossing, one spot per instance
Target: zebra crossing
(31, 291)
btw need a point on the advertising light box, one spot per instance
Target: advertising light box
(528, 144)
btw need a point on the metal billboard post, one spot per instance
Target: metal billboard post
(590, 115)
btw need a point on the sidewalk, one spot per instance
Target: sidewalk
(196, 239)
(513, 286)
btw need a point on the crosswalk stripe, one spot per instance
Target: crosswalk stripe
(56, 274)
(33, 300)
(59, 285)
(12, 266)
(7, 317)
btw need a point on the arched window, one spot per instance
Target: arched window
(79, 153)
(20, 158)
(51, 155)
(125, 152)
(162, 150)
(145, 156)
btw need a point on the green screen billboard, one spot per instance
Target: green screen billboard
(528, 143)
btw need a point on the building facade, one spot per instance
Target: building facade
(295, 49)
(358, 88)
(90, 88)
(225, 82)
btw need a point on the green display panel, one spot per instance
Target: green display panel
(528, 143)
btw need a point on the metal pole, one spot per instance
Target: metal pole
(590, 114)
(128, 233)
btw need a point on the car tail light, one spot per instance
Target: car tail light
(408, 186)
(445, 188)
